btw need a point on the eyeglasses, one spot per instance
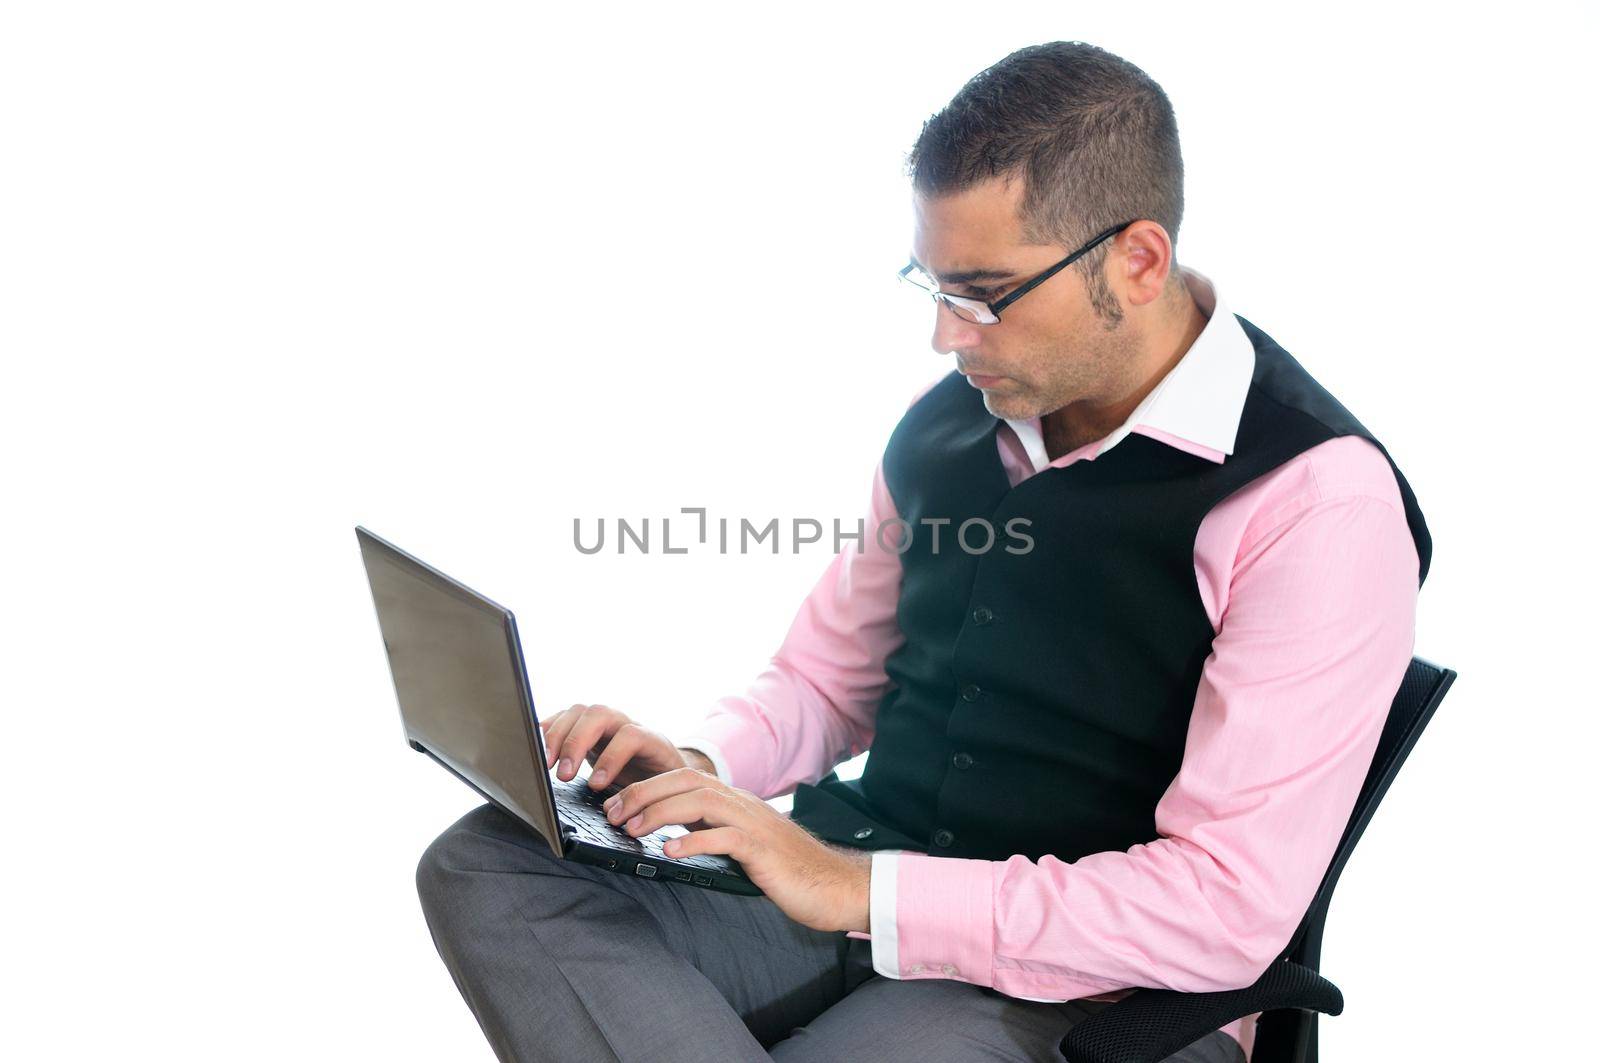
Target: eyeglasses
(982, 312)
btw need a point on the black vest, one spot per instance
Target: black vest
(1040, 702)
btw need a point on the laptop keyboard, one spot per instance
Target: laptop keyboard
(579, 805)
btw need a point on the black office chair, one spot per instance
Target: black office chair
(1151, 1024)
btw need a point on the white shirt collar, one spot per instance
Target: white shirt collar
(1198, 401)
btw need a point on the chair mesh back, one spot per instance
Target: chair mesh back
(1421, 690)
(1290, 1036)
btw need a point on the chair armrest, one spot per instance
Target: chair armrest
(1152, 1024)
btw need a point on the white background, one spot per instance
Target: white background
(464, 273)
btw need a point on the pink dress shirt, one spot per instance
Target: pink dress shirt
(1309, 577)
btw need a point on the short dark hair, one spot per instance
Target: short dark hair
(1092, 136)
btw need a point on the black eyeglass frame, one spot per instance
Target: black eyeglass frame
(1027, 286)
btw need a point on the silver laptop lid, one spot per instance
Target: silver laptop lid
(461, 682)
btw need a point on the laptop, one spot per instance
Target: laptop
(462, 684)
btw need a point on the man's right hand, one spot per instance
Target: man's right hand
(620, 750)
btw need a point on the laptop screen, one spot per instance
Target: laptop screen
(458, 676)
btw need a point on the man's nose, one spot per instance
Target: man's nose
(951, 331)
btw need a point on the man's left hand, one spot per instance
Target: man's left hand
(822, 887)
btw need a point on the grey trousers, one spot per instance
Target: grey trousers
(563, 961)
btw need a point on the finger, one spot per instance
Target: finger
(630, 799)
(597, 722)
(712, 807)
(726, 841)
(618, 751)
(560, 724)
(546, 731)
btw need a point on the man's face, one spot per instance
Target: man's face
(1049, 349)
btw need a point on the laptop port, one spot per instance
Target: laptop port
(682, 876)
(644, 871)
(702, 880)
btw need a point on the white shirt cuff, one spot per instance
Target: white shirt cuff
(881, 915)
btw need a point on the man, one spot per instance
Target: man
(1122, 757)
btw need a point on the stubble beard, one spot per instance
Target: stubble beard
(1102, 364)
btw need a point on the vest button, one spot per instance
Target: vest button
(982, 615)
(944, 838)
(962, 760)
(971, 692)
(864, 832)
